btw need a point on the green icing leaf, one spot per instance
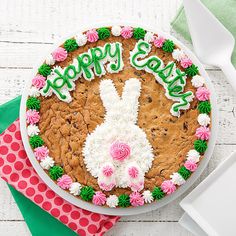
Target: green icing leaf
(36, 141)
(33, 103)
(103, 33)
(168, 46)
(56, 172)
(191, 70)
(204, 107)
(70, 45)
(124, 200)
(157, 193)
(200, 145)
(44, 70)
(87, 193)
(185, 173)
(139, 33)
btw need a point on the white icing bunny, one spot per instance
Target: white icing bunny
(118, 152)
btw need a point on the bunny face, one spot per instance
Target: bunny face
(119, 141)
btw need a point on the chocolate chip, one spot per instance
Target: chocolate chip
(149, 99)
(68, 121)
(185, 125)
(162, 171)
(75, 125)
(137, 73)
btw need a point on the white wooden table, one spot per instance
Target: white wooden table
(27, 30)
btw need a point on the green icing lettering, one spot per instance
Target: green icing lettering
(183, 102)
(85, 64)
(58, 83)
(97, 55)
(166, 72)
(85, 60)
(172, 79)
(113, 51)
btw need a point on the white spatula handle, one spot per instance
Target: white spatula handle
(230, 73)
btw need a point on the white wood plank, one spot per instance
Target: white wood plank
(9, 209)
(13, 228)
(44, 20)
(148, 229)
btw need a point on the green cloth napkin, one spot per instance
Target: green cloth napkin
(225, 11)
(39, 221)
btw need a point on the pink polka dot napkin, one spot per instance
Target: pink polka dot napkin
(16, 169)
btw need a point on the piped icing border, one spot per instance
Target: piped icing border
(39, 82)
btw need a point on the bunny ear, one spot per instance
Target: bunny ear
(108, 94)
(131, 95)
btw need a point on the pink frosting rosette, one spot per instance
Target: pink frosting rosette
(32, 116)
(38, 81)
(99, 198)
(159, 41)
(127, 32)
(203, 133)
(136, 199)
(92, 35)
(186, 62)
(133, 172)
(119, 151)
(64, 182)
(203, 94)
(41, 152)
(190, 165)
(168, 187)
(60, 54)
(108, 170)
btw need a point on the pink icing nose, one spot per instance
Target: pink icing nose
(119, 151)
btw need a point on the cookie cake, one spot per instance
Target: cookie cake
(118, 116)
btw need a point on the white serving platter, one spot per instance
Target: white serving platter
(212, 204)
(188, 223)
(121, 211)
